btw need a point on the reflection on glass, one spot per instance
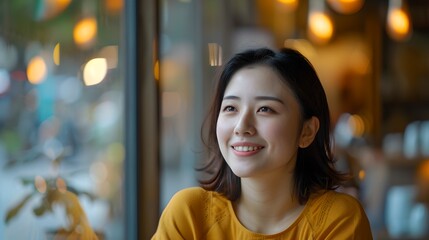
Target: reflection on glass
(36, 70)
(85, 32)
(94, 71)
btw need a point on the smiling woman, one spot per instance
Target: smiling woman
(270, 172)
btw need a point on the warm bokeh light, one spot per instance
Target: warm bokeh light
(346, 6)
(85, 31)
(320, 27)
(56, 54)
(95, 71)
(289, 5)
(61, 185)
(398, 24)
(40, 184)
(362, 175)
(36, 70)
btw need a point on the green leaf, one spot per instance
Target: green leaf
(15, 210)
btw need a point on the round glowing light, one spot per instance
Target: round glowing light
(36, 70)
(399, 22)
(94, 71)
(320, 27)
(85, 31)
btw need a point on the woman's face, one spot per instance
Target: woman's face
(258, 127)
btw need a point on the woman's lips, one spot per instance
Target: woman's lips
(246, 149)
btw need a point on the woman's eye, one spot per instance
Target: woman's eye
(229, 109)
(265, 109)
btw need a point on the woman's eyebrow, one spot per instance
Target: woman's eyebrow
(231, 97)
(270, 98)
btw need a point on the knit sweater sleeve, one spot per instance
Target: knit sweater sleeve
(184, 216)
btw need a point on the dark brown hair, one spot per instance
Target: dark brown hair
(314, 169)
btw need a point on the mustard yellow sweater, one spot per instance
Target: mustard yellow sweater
(195, 213)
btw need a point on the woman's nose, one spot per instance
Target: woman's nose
(245, 125)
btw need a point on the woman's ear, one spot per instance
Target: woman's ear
(308, 132)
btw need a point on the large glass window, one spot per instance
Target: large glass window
(61, 119)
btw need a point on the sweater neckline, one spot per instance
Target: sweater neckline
(267, 236)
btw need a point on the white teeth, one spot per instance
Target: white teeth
(246, 148)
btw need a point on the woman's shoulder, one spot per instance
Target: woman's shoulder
(337, 214)
(336, 203)
(190, 214)
(190, 194)
(196, 198)
(344, 203)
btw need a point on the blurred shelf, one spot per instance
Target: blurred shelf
(404, 162)
(402, 170)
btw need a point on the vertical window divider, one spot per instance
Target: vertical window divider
(141, 167)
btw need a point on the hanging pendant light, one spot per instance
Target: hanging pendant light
(398, 21)
(320, 26)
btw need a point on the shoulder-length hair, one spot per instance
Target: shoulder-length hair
(314, 169)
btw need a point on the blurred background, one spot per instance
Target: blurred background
(65, 104)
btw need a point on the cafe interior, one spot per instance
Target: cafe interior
(102, 102)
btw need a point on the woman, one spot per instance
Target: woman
(271, 173)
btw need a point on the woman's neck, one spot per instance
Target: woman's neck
(267, 206)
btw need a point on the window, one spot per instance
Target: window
(61, 118)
